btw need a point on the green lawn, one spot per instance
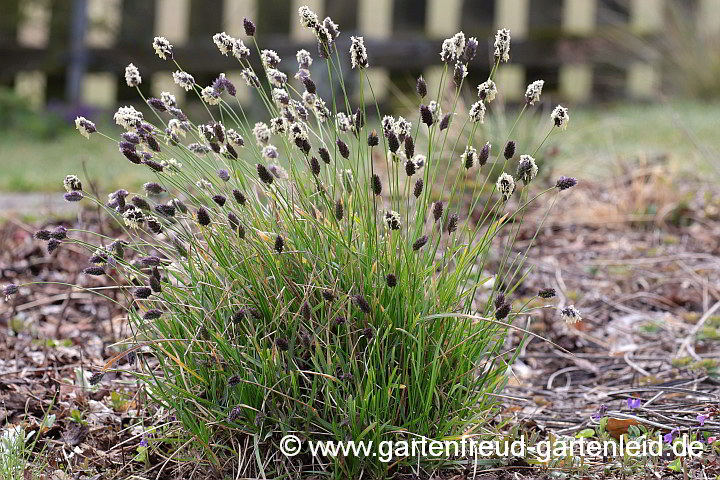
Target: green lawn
(597, 137)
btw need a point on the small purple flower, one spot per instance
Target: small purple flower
(144, 442)
(602, 409)
(634, 403)
(224, 175)
(701, 419)
(669, 437)
(73, 196)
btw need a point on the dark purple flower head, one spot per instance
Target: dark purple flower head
(324, 154)
(154, 165)
(546, 293)
(73, 196)
(59, 232)
(445, 122)
(140, 203)
(282, 344)
(203, 217)
(484, 154)
(437, 211)
(309, 85)
(222, 84)
(315, 166)
(9, 289)
(131, 155)
(373, 139)
(42, 235)
(343, 148)
(219, 199)
(223, 174)
(142, 292)
(95, 271)
(426, 115)
(564, 183)
(418, 188)
(509, 150)
(239, 197)
(157, 104)
(502, 311)
(153, 188)
(249, 27)
(376, 184)
(53, 244)
(391, 280)
(409, 147)
(339, 210)
(420, 242)
(131, 139)
(393, 142)
(152, 314)
(279, 244)
(421, 87)
(453, 223)
(165, 210)
(96, 378)
(470, 50)
(361, 303)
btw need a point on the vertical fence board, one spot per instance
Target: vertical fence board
(31, 29)
(442, 20)
(646, 17)
(172, 21)
(234, 11)
(513, 15)
(375, 20)
(709, 17)
(575, 80)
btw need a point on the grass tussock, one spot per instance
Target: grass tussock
(293, 274)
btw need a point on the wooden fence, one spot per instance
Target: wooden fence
(76, 50)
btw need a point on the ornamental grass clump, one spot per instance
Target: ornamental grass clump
(293, 274)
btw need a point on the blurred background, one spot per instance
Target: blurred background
(642, 77)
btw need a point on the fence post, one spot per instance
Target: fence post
(33, 30)
(646, 17)
(513, 15)
(708, 20)
(104, 16)
(172, 21)
(575, 79)
(442, 20)
(375, 20)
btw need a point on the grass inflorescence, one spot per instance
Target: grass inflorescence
(295, 274)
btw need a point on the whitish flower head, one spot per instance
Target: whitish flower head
(184, 79)
(391, 219)
(487, 91)
(458, 41)
(343, 122)
(72, 183)
(331, 27)
(270, 152)
(505, 185)
(177, 127)
(532, 94)
(447, 51)
(469, 157)
(280, 96)
(278, 125)
(277, 78)
(85, 126)
(278, 171)
(570, 314)
(502, 44)
(199, 148)
(133, 217)
(239, 50)
(297, 131)
(163, 48)
(321, 110)
(250, 78)
(304, 59)
(419, 160)
(234, 138)
(210, 96)
(309, 99)
(203, 184)
(132, 76)
(262, 133)
(402, 128)
(171, 166)
(270, 58)
(560, 117)
(358, 54)
(128, 117)
(388, 124)
(435, 110)
(477, 112)
(527, 169)
(168, 99)
(307, 17)
(224, 42)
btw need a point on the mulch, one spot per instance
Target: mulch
(640, 258)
